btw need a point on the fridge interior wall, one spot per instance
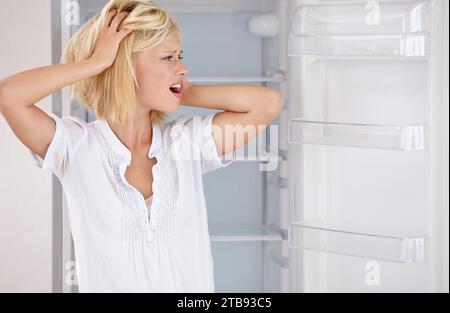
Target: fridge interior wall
(381, 190)
(217, 43)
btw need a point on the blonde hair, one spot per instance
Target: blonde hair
(114, 92)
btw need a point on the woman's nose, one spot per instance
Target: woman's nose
(183, 69)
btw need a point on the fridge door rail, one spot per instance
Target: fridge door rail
(311, 235)
(398, 29)
(390, 137)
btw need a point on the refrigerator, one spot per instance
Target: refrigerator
(349, 190)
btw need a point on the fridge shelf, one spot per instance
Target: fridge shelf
(389, 137)
(276, 78)
(312, 235)
(243, 233)
(396, 29)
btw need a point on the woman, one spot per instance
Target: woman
(132, 182)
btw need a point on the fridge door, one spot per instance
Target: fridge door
(364, 149)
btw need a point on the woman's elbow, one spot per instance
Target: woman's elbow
(271, 107)
(275, 105)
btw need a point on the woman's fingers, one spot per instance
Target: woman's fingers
(124, 32)
(110, 18)
(117, 20)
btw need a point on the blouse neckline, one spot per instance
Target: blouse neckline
(121, 149)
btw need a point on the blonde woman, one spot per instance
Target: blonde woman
(133, 182)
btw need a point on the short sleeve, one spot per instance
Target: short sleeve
(69, 134)
(197, 132)
(211, 160)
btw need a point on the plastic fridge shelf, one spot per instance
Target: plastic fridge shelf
(243, 233)
(390, 137)
(312, 236)
(361, 28)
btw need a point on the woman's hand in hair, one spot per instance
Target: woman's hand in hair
(107, 45)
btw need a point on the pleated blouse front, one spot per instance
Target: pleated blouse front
(122, 242)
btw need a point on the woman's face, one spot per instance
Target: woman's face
(157, 70)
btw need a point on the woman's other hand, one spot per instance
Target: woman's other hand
(186, 86)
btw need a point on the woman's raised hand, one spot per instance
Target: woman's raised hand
(107, 45)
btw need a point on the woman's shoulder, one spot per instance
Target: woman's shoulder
(74, 129)
(188, 124)
(191, 135)
(185, 127)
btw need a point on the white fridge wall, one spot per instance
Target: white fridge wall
(373, 92)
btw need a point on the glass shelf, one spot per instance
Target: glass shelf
(361, 28)
(390, 137)
(276, 78)
(311, 235)
(243, 233)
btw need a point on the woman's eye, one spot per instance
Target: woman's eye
(171, 57)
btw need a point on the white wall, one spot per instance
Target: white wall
(25, 191)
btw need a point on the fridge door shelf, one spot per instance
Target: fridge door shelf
(311, 235)
(360, 28)
(243, 233)
(372, 136)
(413, 45)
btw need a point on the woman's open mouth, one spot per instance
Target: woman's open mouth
(176, 91)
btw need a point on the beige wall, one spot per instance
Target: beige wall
(25, 191)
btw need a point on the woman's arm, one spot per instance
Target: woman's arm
(27, 88)
(18, 93)
(248, 110)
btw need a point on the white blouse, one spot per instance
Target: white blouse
(122, 242)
